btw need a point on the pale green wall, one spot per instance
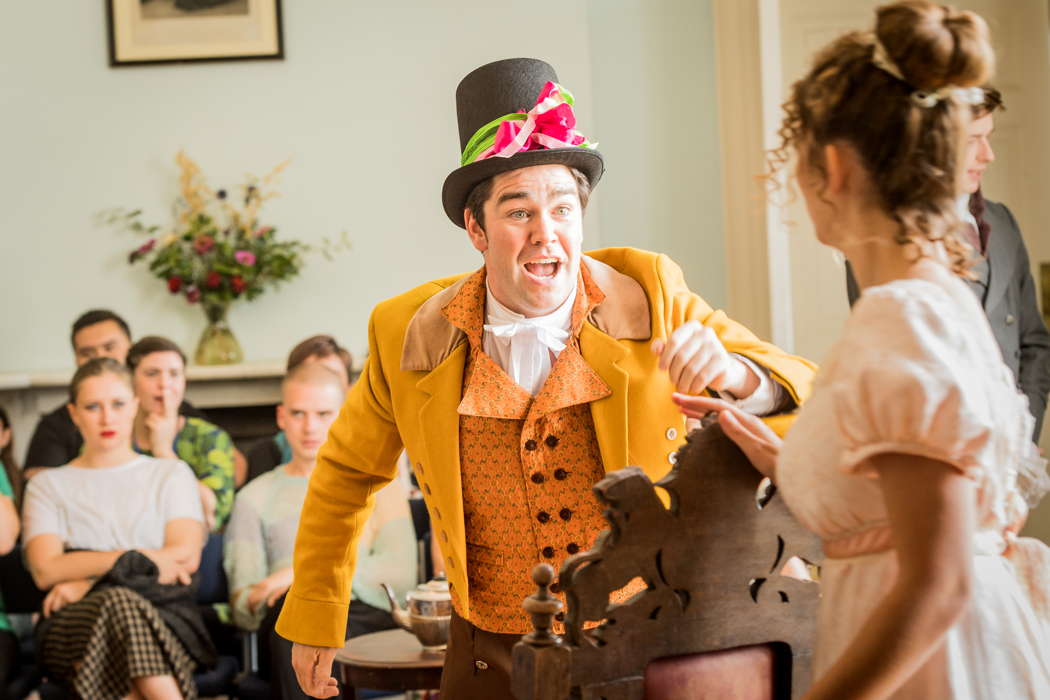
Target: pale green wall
(653, 71)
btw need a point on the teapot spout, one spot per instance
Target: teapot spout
(399, 613)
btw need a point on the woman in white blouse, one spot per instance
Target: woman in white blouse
(80, 519)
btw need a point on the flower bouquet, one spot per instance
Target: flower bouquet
(217, 252)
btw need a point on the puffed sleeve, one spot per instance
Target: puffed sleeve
(906, 388)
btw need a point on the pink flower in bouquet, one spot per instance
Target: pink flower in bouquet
(203, 244)
(245, 257)
(193, 295)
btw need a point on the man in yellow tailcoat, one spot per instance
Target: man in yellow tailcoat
(515, 388)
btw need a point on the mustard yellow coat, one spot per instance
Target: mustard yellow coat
(409, 391)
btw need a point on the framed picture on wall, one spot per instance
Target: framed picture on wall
(164, 31)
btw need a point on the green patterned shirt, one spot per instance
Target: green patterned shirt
(208, 450)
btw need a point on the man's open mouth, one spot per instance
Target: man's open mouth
(543, 268)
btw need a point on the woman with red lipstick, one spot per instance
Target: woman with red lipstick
(98, 638)
(158, 369)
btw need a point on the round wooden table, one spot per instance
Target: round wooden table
(388, 660)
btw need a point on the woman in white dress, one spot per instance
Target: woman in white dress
(913, 459)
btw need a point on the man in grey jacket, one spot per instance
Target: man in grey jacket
(1004, 280)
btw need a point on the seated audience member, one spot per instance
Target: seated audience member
(324, 350)
(261, 535)
(114, 537)
(10, 488)
(158, 369)
(55, 441)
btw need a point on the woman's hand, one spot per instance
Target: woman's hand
(756, 439)
(62, 594)
(208, 503)
(270, 589)
(164, 426)
(171, 568)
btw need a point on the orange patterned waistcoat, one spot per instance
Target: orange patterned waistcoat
(528, 464)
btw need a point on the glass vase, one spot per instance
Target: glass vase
(217, 345)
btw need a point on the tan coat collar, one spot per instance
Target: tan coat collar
(622, 314)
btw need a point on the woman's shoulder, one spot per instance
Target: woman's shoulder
(907, 314)
(166, 469)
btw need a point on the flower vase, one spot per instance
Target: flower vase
(217, 345)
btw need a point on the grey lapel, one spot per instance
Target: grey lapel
(1001, 254)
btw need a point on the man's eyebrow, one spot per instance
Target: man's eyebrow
(562, 190)
(507, 196)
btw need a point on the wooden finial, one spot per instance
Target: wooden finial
(542, 607)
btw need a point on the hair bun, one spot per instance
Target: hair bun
(935, 45)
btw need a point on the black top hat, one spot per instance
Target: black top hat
(492, 91)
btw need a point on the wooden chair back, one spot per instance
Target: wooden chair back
(716, 618)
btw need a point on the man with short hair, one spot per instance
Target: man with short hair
(514, 389)
(1003, 279)
(96, 333)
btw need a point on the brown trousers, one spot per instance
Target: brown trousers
(477, 663)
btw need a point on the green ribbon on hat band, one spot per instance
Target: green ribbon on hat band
(485, 137)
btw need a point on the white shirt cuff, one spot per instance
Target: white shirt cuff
(767, 397)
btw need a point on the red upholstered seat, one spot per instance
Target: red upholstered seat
(744, 673)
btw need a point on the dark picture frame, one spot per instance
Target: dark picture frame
(150, 32)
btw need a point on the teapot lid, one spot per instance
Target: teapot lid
(435, 589)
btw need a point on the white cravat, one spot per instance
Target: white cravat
(522, 346)
(963, 205)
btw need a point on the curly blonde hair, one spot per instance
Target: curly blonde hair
(912, 152)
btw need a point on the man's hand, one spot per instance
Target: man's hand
(756, 439)
(171, 569)
(313, 670)
(62, 594)
(696, 360)
(270, 589)
(164, 426)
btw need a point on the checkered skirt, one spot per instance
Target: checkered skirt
(98, 644)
